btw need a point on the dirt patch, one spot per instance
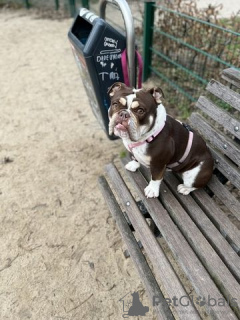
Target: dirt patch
(61, 254)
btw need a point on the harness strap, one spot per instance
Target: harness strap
(153, 136)
(186, 153)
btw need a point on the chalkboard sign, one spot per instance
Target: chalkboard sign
(97, 48)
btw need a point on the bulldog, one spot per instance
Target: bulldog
(156, 140)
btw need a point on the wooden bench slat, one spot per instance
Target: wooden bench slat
(162, 310)
(232, 76)
(204, 251)
(191, 265)
(226, 227)
(226, 167)
(219, 115)
(222, 142)
(198, 242)
(217, 241)
(225, 196)
(162, 267)
(224, 93)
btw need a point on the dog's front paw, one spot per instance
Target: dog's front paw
(152, 190)
(184, 189)
(132, 166)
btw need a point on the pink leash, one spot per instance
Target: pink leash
(125, 68)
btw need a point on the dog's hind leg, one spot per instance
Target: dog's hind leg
(183, 189)
(189, 178)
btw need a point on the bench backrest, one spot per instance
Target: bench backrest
(219, 123)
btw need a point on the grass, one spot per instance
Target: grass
(123, 154)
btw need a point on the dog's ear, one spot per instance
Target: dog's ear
(115, 87)
(157, 94)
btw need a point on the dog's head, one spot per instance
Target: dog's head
(132, 112)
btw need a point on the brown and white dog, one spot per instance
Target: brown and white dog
(156, 140)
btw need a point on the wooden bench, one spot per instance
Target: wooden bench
(197, 252)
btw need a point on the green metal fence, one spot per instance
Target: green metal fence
(185, 52)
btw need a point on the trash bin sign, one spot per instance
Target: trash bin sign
(97, 48)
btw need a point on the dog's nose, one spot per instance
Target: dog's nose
(124, 115)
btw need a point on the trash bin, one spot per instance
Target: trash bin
(97, 48)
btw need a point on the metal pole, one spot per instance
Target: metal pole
(72, 7)
(147, 38)
(85, 4)
(57, 4)
(27, 4)
(129, 27)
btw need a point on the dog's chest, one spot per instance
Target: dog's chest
(140, 154)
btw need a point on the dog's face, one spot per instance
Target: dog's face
(132, 112)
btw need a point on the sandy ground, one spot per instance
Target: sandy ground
(61, 254)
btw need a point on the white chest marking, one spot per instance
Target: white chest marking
(140, 153)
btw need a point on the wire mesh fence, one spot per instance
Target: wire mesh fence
(187, 52)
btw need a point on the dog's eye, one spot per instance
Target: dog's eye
(140, 111)
(114, 105)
